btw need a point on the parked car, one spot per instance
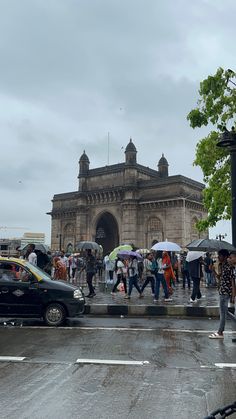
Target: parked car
(27, 291)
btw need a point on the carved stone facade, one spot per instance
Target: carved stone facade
(127, 203)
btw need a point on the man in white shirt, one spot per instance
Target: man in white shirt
(32, 257)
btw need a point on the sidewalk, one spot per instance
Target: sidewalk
(106, 304)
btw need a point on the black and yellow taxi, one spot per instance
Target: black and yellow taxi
(27, 291)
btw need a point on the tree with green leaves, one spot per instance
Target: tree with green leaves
(216, 107)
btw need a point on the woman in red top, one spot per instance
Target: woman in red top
(168, 271)
(60, 269)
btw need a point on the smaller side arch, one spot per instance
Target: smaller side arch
(155, 231)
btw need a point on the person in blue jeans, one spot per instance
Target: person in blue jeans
(132, 270)
(148, 273)
(226, 277)
(158, 269)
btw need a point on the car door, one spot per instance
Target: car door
(19, 293)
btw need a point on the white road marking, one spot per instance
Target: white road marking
(129, 329)
(12, 358)
(225, 365)
(109, 362)
(227, 332)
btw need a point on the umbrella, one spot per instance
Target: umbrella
(193, 256)
(143, 251)
(39, 246)
(167, 246)
(127, 253)
(85, 245)
(113, 254)
(209, 245)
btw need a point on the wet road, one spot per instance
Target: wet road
(151, 368)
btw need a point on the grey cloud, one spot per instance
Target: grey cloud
(72, 71)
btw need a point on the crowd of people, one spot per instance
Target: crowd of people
(155, 269)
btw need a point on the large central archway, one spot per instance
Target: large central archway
(107, 233)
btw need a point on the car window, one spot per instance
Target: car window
(8, 272)
(36, 270)
(12, 272)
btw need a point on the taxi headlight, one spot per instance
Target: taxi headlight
(77, 294)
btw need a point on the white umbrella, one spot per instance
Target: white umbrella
(143, 251)
(167, 246)
(194, 255)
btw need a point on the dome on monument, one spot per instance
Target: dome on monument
(84, 158)
(163, 161)
(131, 146)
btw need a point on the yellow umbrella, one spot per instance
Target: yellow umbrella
(113, 254)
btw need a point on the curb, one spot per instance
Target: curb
(152, 310)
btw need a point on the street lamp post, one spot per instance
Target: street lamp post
(228, 141)
(59, 236)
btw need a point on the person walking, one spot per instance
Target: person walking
(175, 265)
(158, 267)
(232, 261)
(121, 271)
(31, 255)
(59, 269)
(168, 271)
(133, 276)
(148, 273)
(226, 277)
(208, 265)
(185, 271)
(195, 274)
(90, 267)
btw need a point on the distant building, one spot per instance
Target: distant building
(32, 238)
(127, 203)
(8, 247)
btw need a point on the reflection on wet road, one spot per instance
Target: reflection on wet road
(120, 368)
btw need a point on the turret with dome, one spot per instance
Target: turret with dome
(163, 166)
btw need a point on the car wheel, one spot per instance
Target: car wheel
(54, 314)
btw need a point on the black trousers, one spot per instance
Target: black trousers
(186, 276)
(196, 293)
(90, 282)
(120, 278)
(150, 279)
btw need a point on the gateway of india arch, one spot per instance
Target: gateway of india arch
(127, 203)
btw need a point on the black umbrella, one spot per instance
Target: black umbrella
(39, 246)
(85, 245)
(209, 245)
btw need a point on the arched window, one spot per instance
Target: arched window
(154, 231)
(68, 239)
(69, 229)
(69, 248)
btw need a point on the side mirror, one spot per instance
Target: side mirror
(32, 279)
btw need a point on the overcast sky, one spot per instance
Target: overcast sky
(73, 70)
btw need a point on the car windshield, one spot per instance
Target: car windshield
(37, 271)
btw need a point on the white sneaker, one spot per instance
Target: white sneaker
(168, 299)
(192, 301)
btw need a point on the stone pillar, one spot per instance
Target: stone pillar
(56, 233)
(129, 223)
(81, 227)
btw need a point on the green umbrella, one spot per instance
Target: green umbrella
(113, 254)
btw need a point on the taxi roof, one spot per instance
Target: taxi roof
(12, 259)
